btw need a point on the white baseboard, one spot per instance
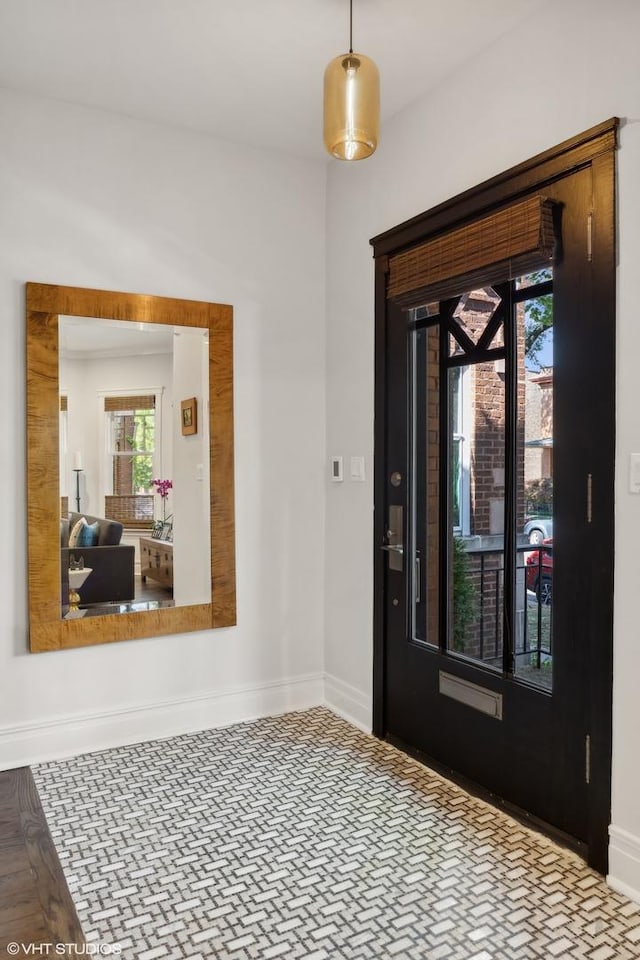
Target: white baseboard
(348, 702)
(53, 739)
(624, 863)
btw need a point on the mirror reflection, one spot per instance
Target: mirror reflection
(134, 466)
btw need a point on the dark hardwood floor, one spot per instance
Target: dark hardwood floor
(35, 904)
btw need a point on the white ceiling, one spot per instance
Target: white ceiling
(88, 338)
(243, 70)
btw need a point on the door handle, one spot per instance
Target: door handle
(394, 547)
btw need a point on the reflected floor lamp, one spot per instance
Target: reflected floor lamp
(77, 469)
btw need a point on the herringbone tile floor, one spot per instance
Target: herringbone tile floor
(300, 837)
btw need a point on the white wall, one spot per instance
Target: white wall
(558, 75)
(92, 199)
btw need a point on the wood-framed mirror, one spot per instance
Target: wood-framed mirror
(117, 436)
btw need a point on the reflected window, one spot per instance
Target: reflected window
(133, 450)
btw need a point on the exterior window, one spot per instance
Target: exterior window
(133, 440)
(132, 434)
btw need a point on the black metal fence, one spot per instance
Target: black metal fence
(533, 635)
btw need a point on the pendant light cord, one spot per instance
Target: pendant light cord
(350, 26)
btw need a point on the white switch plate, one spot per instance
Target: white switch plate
(634, 473)
(357, 469)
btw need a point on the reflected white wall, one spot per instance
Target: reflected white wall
(191, 529)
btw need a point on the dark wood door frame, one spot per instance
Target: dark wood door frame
(594, 148)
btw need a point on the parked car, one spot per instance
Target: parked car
(537, 529)
(539, 571)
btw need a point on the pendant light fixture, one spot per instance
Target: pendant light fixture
(351, 104)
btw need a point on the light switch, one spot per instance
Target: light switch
(336, 469)
(634, 473)
(357, 469)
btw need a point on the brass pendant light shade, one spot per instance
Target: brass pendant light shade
(351, 105)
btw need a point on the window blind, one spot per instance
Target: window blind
(132, 510)
(115, 404)
(509, 243)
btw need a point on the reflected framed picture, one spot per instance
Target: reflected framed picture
(189, 413)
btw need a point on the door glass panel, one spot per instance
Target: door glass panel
(476, 470)
(471, 316)
(497, 340)
(426, 311)
(425, 453)
(532, 279)
(534, 507)
(470, 461)
(475, 309)
(455, 349)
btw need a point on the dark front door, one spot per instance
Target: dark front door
(494, 569)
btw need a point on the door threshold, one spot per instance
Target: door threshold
(476, 790)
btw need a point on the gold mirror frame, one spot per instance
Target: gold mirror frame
(45, 304)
